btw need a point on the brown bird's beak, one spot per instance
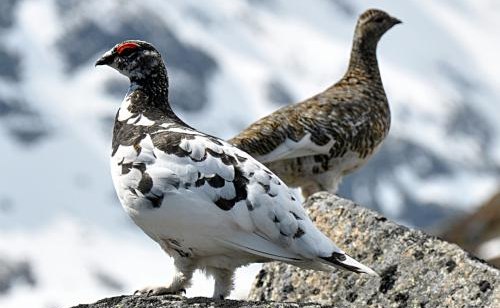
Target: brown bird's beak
(396, 21)
(106, 59)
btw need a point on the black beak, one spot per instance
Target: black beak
(105, 60)
(396, 21)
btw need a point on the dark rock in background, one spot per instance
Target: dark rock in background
(7, 8)
(345, 6)
(107, 280)
(473, 230)
(9, 65)
(14, 272)
(24, 124)
(383, 167)
(416, 270)
(278, 94)
(466, 122)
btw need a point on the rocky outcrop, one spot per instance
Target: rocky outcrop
(135, 301)
(416, 270)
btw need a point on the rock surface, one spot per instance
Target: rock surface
(416, 270)
(13, 272)
(135, 301)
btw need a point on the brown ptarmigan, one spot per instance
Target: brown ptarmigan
(208, 204)
(314, 143)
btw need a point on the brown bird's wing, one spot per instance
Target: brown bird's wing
(313, 127)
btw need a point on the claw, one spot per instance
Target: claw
(154, 291)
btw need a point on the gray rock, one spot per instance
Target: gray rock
(417, 270)
(7, 12)
(25, 124)
(14, 272)
(135, 301)
(10, 65)
(277, 93)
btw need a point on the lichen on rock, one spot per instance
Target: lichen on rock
(416, 269)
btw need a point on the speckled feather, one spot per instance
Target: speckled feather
(314, 143)
(207, 203)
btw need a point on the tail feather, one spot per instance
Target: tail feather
(342, 260)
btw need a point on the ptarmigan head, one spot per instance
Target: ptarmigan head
(133, 58)
(372, 24)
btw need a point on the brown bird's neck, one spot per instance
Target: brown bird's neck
(363, 64)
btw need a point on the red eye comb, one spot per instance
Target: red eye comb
(121, 48)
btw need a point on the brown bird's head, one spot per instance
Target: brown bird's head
(372, 24)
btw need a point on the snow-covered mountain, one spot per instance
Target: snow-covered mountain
(64, 237)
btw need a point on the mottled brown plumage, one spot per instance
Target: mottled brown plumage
(314, 143)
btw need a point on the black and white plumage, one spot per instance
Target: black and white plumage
(208, 204)
(314, 143)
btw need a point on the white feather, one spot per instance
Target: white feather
(291, 149)
(265, 225)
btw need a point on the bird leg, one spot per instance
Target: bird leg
(223, 281)
(310, 188)
(326, 181)
(180, 281)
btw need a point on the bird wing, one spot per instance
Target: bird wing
(303, 129)
(267, 218)
(226, 196)
(290, 148)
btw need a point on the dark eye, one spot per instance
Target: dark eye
(379, 19)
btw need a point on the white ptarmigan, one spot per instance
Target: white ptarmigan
(313, 144)
(208, 204)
